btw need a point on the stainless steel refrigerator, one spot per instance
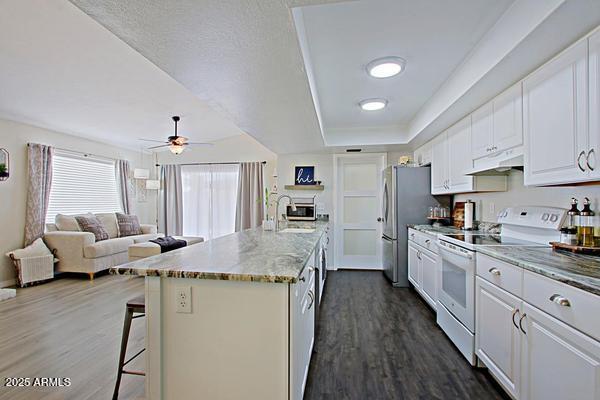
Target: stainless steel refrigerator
(406, 200)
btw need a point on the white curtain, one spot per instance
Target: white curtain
(209, 199)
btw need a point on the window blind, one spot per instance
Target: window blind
(82, 184)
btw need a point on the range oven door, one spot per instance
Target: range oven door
(457, 289)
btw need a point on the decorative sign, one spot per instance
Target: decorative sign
(305, 175)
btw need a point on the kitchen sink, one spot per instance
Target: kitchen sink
(297, 230)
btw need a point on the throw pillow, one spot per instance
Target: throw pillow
(66, 222)
(89, 223)
(36, 249)
(129, 225)
(109, 221)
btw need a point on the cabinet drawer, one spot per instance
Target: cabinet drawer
(423, 240)
(507, 276)
(572, 306)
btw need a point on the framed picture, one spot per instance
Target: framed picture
(304, 175)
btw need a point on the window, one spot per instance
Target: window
(209, 199)
(82, 184)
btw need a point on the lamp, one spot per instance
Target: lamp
(152, 184)
(141, 173)
(176, 148)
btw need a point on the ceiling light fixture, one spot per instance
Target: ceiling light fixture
(176, 148)
(386, 67)
(373, 104)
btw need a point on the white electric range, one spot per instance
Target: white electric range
(521, 226)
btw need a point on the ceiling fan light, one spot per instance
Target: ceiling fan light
(176, 148)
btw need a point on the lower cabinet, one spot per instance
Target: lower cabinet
(497, 334)
(423, 272)
(532, 354)
(302, 330)
(558, 362)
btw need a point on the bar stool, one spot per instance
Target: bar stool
(134, 306)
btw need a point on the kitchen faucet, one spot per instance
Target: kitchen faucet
(277, 209)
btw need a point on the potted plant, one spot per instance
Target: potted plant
(3, 171)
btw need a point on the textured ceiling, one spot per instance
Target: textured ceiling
(62, 70)
(241, 57)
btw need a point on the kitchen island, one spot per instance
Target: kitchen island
(232, 317)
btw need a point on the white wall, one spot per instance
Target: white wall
(518, 194)
(13, 192)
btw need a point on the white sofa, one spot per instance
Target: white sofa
(79, 252)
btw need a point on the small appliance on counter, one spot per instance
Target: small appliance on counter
(305, 210)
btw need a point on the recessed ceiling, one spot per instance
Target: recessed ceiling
(341, 39)
(63, 71)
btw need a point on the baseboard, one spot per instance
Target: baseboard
(7, 283)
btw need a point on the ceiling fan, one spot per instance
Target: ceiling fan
(175, 143)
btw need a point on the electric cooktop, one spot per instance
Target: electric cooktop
(470, 240)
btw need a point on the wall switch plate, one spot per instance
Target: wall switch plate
(183, 299)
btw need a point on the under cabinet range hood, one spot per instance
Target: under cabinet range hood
(498, 164)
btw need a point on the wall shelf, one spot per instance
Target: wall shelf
(304, 187)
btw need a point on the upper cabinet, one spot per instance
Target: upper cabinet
(594, 107)
(555, 120)
(422, 155)
(498, 125)
(450, 163)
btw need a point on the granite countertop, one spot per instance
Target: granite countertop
(580, 271)
(250, 255)
(435, 230)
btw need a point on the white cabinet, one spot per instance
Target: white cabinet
(302, 329)
(594, 107)
(555, 112)
(423, 272)
(497, 334)
(498, 125)
(451, 161)
(459, 143)
(558, 362)
(422, 155)
(535, 345)
(414, 265)
(439, 165)
(429, 274)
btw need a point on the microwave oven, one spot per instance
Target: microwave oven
(304, 212)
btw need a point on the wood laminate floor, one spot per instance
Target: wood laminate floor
(375, 342)
(379, 342)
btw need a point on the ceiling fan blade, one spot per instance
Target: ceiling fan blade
(198, 144)
(157, 147)
(152, 140)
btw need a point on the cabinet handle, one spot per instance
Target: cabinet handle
(419, 254)
(311, 269)
(521, 323)
(515, 312)
(579, 161)
(302, 279)
(412, 235)
(587, 159)
(312, 299)
(495, 271)
(560, 300)
(427, 241)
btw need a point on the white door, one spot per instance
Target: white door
(439, 165)
(555, 119)
(429, 274)
(459, 156)
(358, 191)
(558, 362)
(508, 119)
(497, 334)
(592, 156)
(482, 137)
(414, 265)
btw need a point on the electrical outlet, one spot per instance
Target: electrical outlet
(183, 299)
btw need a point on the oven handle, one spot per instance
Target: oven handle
(463, 254)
